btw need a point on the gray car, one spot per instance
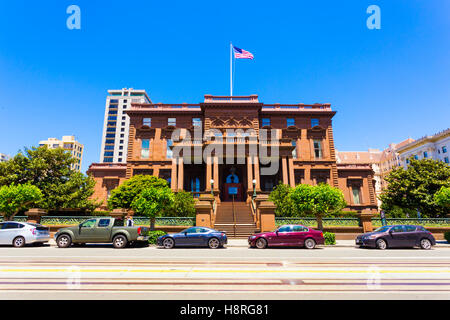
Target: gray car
(19, 234)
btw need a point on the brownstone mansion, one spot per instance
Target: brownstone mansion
(236, 148)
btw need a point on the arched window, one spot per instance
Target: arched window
(232, 178)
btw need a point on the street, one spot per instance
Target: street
(235, 272)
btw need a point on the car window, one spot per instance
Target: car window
(11, 225)
(190, 230)
(398, 229)
(88, 223)
(299, 229)
(103, 223)
(285, 229)
(410, 228)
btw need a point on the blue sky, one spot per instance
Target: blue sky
(386, 84)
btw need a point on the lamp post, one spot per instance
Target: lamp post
(254, 188)
(212, 187)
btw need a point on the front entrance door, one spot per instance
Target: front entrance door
(232, 187)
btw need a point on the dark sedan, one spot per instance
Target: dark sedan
(194, 237)
(287, 236)
(399, 236)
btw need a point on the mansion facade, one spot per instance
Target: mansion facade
(235, 148)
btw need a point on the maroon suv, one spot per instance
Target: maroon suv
(287, 236)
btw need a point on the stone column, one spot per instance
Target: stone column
(208, 174)
(216, 173)
(180, 174)
(249, 173)
(291, 172)
(257, 177)
(366, 220)
(34, 215)
(173, 176)
(285, 170)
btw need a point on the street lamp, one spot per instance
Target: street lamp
(212, 186)
(254, 188)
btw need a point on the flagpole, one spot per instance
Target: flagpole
(231, 69)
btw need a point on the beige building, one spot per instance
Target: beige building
(390, 159)
(69, 144)
(3, 157)
(371, 157)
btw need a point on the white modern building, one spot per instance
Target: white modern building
(3, 157)
(117, 123)
(69, 144)
(429, 147)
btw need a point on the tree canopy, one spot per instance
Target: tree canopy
(281, 197)
(442, 198)
(319, 200)
(152, 201)
(50, 171)
(123, 195)
(14, 198)
(415, 188)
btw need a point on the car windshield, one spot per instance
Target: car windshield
(382, 229)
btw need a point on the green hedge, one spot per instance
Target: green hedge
(330, 238)
(154, 235)
(447, 236)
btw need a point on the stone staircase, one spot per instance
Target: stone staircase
(244, 220)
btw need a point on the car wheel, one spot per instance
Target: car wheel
(19, 242)
(381, 244)
(261, 243)
(120, 242)
(310, 243)
(213, 243)
(168, 243)
(425, 244)
(64, 241)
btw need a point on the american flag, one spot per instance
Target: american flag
(241, 54)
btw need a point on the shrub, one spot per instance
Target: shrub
(281, 198)
(447, 236)
(330, 238)
(183, 205)
(154, 235)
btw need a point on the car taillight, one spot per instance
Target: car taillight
(139, 231)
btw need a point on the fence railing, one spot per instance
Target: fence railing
(138, 221)
(431, 222)
(312, 222)
(16, 218)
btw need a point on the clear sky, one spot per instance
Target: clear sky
(387, 84)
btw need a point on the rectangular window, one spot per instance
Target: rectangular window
(446, 159)
(265, 122)
(314, 123)
(147, 122)
(112, 112)
(294, 152)
(172, 122)
(425, 154)
(110, 135)
(109, 147)
(112, 118)
(145, 149)
(108, 154)
(110, 129)
(318, 149)
(416, 157)
(356, 195)
(169, 151)
(111, 124)
(113, 101)
(444, 149)
(290, 122)
(196, 122)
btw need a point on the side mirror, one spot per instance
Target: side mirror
(185, 233)
(276, 232)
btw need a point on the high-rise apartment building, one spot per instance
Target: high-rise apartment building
(116, 124)
(69, 144)
(3, 157)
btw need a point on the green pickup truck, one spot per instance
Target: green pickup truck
(101, 230)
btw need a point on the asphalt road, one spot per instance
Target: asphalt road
(236, 272)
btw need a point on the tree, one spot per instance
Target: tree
(152, 201)
(414, 188)
(183, 205)
(123, 195)
(50, 171)
(281, 197)
(14, 198)
(442, 198)
(319, 200)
